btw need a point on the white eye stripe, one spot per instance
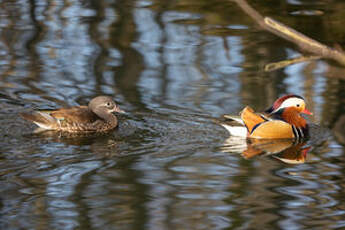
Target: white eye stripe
(291, 102)
(109, 104)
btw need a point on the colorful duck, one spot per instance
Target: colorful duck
(282, 120)
(96, 117)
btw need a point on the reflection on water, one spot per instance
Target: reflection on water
(286, 150)
(175, 66)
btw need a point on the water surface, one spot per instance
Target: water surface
(176, 67)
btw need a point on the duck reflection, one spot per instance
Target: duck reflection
(286, 150)
(69, 138)
(104, 144)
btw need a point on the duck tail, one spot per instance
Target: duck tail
(237, 131)
(234, 125)
(251, 119)
(43, 120)
(232, 118)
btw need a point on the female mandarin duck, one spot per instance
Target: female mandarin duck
(96, 117)
(282, 120)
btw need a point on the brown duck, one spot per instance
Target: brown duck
(96, 117)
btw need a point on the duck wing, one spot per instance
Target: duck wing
(79, 114)
(260, 126)
(241, 125)
(272, 129)
(251, 120)
(41, 119)
(62, 118)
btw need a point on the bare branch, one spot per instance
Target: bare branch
(278, 65)
(305, 43)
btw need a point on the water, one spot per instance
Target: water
(175, 67)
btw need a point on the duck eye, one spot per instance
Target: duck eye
(297, 105)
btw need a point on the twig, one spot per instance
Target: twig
(278, 65)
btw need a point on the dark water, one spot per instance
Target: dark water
(175, 67)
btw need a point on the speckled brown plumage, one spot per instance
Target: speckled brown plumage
(96, 117)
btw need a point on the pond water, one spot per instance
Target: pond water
(175, 67)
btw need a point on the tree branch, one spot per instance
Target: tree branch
(305, 43)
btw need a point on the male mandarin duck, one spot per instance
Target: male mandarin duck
(282, 120)
(96, 117)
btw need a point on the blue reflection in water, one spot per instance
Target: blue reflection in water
(177, 66)
(182, 64)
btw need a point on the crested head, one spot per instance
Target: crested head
(288, 108)
(286, 98)
(103, 105)
(294, 101)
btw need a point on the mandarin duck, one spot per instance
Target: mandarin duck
(282, 120)
(96, 117)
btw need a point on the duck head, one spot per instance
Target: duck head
(104, 106)
(293, 101)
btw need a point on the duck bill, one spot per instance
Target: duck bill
(118, 110)
(305, 111)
